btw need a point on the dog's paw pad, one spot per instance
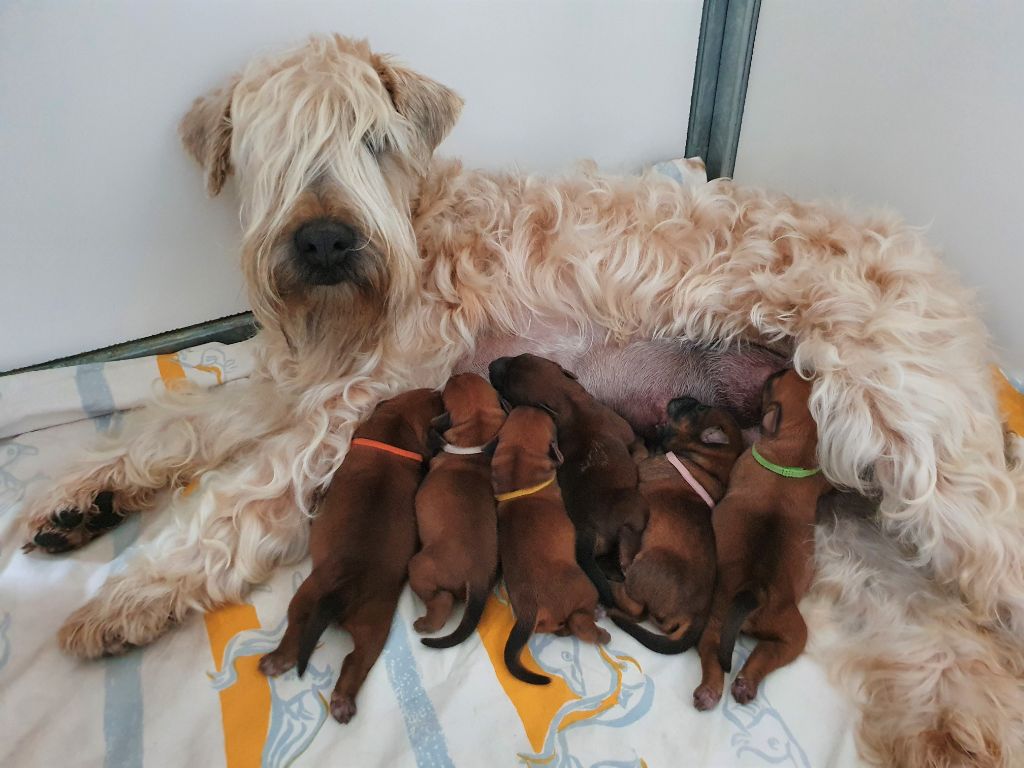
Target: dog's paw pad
(343, 708)
(103, 516)
(705, 698)
(67, 519)
(50, 541)
(743, 690)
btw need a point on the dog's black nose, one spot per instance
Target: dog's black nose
(498, 370)
(324, 244)
(681, 406)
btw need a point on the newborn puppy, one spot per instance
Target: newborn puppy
(455, 511)
(547, 589)
(361, 541)
(764, 535)
(599, 476)
(673, 577)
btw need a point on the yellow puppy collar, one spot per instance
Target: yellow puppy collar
(518, 494)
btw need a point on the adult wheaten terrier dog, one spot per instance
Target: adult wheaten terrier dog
(373, 268)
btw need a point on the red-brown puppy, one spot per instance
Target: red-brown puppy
(536, 540)
(456, 512)
(764, 535)
(672, 579)
(599, 477)
(362, 540)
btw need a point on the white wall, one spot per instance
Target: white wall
(106, 232)
(917, 105)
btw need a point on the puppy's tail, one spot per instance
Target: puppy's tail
(742, 605)
(476, 599)
(513, 649)
(659, 643)
(585, 540)
(328, 608)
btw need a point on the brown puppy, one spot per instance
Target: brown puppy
(672, 578)
(599, 477)
(547, 589)
(361, 541)
(764, 535)
(456, 512)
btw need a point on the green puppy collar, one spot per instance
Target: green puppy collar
(796, 472)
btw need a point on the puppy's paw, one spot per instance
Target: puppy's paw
(68, 527)
(705, 698)
(343, 708)
(603, 637)
(276, 663)
(743, 690)
(424, 626)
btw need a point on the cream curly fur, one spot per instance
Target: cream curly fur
(902, 392)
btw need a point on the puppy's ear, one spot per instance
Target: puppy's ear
(771, 419)
(556, 455)
(714, 436)
(434, 441)
(441, 423)
(428, 105)
(680, 406)
(206, 133)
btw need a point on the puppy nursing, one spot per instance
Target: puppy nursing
(547, 589)
(362, 540)
(704, 539)
(764, 535)
(672, 578)
(455, 511)
(599, 478)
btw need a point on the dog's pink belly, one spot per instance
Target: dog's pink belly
(638, 380)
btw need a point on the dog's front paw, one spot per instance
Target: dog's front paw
(87, 636)
(70, 527)
(116, 620)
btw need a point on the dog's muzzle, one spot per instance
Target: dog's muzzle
(325, 251)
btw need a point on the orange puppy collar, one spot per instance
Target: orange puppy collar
(376, 444)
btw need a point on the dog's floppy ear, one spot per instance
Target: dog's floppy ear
(441, 423)
(556, 455)
(206, 133)
(547, 409)
(428, 105)
(771, 419)
(569, 374)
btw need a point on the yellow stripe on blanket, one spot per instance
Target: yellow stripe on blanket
(171, 371)
(1011, 403)
(245, 706)
(536, 704)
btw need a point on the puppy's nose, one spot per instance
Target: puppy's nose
(681, 406)
(498, 371)
(324, 243)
